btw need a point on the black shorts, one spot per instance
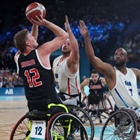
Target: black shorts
(94, 98)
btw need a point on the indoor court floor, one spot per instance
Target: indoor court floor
(11, 110)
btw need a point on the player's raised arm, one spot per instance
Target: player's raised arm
(102, 67)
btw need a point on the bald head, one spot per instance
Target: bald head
(122, 50)
(120, 57)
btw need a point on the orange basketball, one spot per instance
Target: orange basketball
(34, 9)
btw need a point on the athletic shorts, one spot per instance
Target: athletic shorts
(94, 98)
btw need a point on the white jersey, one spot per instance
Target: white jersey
(125, 92)
(68, 83)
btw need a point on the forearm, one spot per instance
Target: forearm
(74, 47)
(89, 48)
(82, 91)
(73, 40)
(34, 31)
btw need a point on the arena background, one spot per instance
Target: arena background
(112, 24)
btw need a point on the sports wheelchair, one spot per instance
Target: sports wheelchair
(123, 124)
(80, 113)
(42, 125)
(102, 110)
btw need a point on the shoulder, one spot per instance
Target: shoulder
(101, 78)
(86, 81)
(103, 81)
(135, 70)
(16, 56)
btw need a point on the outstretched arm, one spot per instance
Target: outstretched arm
(104, 68)
(99, 65)
(57, 42)
(34, 31)
(73, 59)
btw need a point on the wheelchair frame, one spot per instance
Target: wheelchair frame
(102, 112)
(24, 125)
(81, 113)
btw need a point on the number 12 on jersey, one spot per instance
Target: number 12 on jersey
(38, 130)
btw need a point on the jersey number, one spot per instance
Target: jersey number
(32, 81)
(131, 93)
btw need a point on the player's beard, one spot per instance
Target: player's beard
(122, 63)
(65, 53)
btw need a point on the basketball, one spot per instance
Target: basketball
(34, 9)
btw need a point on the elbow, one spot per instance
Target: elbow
(81, 88)
(91, 60)
(65, 36)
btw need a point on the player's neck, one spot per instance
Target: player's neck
(26, 52)
(122, 70)
(65, 56)
(61, 59)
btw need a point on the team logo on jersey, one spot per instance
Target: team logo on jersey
(128, 83)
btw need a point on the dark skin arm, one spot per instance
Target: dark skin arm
(104, 68)
(137, 73)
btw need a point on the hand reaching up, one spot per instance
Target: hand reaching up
(67, 25)
(83, 29)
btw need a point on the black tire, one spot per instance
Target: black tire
(66, 126)
(84, 117)
(102, 113)
(121, 125)
(20, 131)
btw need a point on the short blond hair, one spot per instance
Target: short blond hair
(20, 38)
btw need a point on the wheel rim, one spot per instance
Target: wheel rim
(119, 126)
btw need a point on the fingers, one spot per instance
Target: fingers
(67, 26)
(36, 20)
(66, 19)
(81, 23)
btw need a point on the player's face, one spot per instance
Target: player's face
(120, 58)
(32, 41)
(94, 77)
(66, 48)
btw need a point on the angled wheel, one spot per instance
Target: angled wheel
(85, 118)
(65, 126)
(107, 105)
(104, 110)
(121, 125)
(21, 130)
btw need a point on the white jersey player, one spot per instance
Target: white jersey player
(66, 69)
(125, 92)
(121, 82)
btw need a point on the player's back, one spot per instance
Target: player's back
(38, 80)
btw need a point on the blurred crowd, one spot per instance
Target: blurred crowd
(104, 19)
(10, 79)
